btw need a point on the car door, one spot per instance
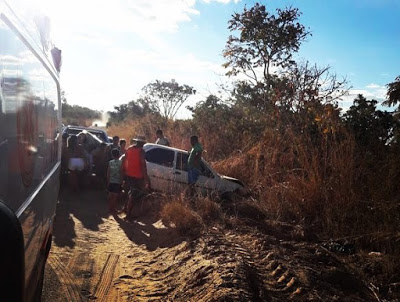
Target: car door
(160, 164)
(206, 182)
(180, 171)
(207, 179)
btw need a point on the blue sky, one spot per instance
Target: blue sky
(111, 49)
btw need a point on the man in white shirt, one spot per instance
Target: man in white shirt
(161, 140)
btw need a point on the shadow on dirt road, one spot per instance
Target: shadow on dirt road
(91, 248)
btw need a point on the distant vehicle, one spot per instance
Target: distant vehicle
(101, 134)
(167, 170)
(30, 144)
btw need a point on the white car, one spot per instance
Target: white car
(167, 170)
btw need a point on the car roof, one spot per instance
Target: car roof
(151, 146)
(84, 128)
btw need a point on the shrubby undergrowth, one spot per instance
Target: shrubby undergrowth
(304, 160)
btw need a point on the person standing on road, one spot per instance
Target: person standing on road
(161, 139)
(122, 146)
(135, 170)
(100, 164)
(114, 180)
(194, 161)
(76, 161)
(114, 145)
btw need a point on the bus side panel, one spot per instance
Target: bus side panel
(29, 141)
(42, 205)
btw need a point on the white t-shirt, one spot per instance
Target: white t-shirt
(162, 141)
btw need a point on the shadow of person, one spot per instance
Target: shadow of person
(148, 230)
(64, 226)
(89, 207)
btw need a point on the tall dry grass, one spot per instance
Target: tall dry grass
(314, 177)
(177, 132)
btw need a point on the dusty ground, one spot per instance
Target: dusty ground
(96, 256)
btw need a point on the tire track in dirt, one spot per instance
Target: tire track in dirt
(115, 260)
(106, 278)
(266, 273)
(67, 280)
(256, 273)
(83, 268)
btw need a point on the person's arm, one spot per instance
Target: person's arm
(197, 156)
(121, 172)
(144, 166)
(108, 174)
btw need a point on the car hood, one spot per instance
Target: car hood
(235, 180)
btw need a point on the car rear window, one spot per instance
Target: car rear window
(161, 157)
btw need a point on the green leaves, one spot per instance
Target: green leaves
(393, 93)
(167, 97)
(262, 40)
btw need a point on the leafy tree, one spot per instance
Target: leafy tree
(77, 115)
(166, 97)
(304, 86)
(371, 127)
(393, 93)
(133, 109)
(264, 40)
(227, 127)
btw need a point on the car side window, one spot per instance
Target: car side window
(205, 171)
(161, 157)
(181, 161)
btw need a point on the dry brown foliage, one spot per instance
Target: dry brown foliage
(178, 214)
(310, 178)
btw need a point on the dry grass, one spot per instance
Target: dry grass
(177, 132)
(178, 214)
(208, 210)
(314, 178)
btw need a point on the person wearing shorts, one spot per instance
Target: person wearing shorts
(114, 180)
(76, 160)
(76, 163)
(135, 170)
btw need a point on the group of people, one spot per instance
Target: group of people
(120, 168)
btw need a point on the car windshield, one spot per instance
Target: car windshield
(99, 135)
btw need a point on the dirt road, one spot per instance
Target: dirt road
(100, 257)
(93, 253)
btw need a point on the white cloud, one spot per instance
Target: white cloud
(111, 49)
(373, 86)
(371, 92)
(222, 1)
(137, 16)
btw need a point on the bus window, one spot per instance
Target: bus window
(28, 120)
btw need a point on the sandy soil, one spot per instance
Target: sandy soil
(97, 256)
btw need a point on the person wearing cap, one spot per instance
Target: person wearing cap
(161, 139)
(135, 170)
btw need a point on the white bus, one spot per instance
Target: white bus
(30, 146)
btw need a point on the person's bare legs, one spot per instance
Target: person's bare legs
(73, 181)
(129, 207)
(112, 200)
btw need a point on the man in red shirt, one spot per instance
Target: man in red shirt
(135, 170)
